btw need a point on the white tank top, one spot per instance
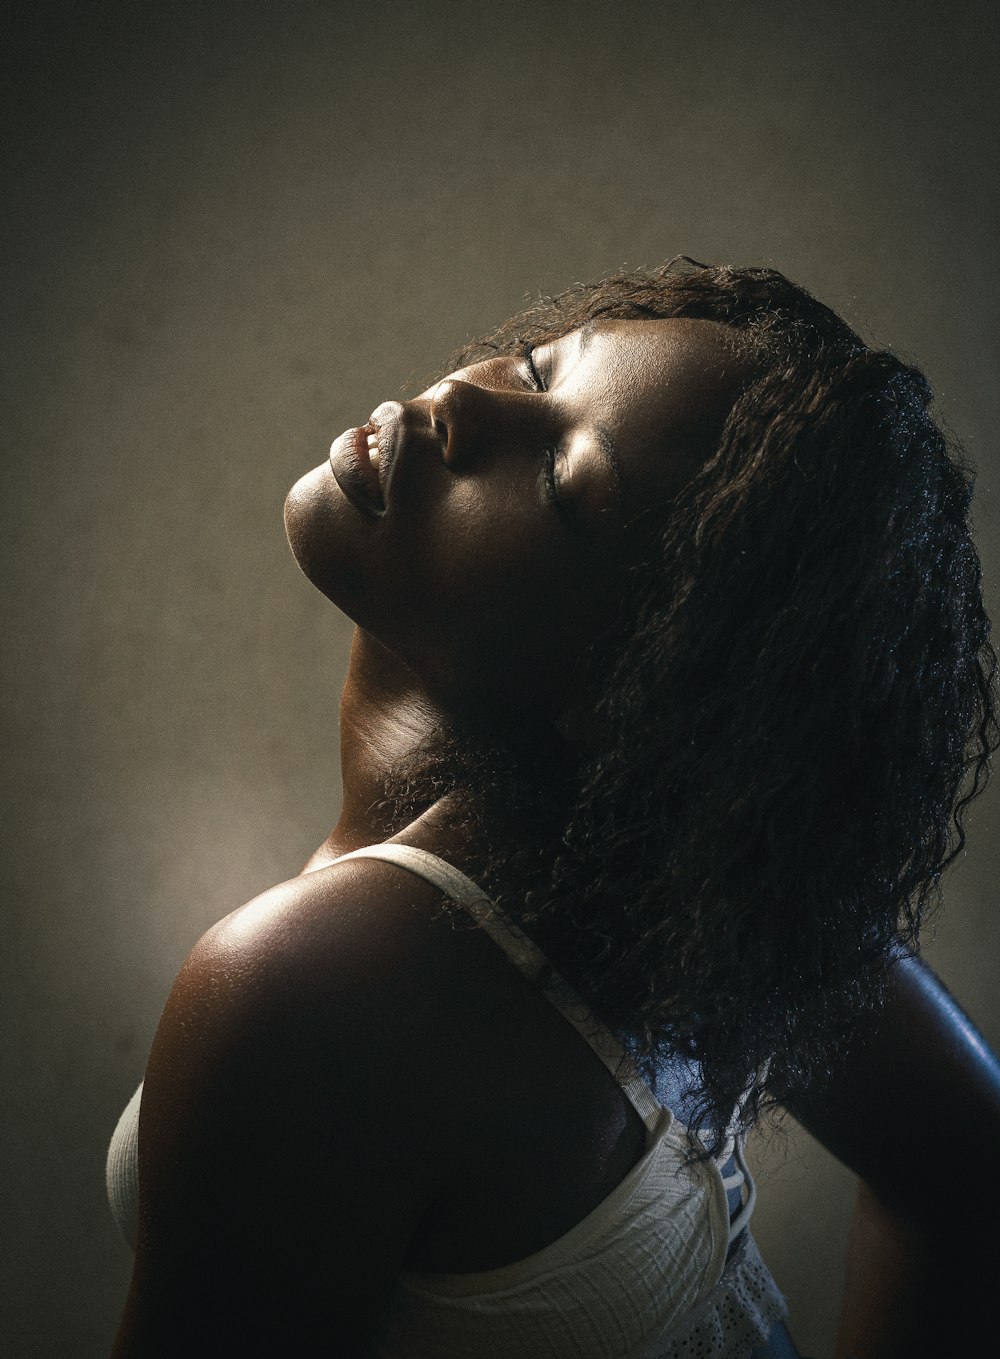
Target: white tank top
(663, 1268)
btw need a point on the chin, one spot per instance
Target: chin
(299, 505)
(315, 534)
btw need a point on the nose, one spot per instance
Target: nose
(467, 417)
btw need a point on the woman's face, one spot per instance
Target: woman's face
(478, 531)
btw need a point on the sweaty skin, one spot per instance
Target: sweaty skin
(312, 1111)
(480, 580)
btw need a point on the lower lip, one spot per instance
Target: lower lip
(354, 473)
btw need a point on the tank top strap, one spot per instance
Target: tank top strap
(531, 963)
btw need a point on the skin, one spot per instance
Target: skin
(914, 1110)
(312, 1110)
(472, 576)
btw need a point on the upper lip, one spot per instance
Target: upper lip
(383, 423)
(394, 427)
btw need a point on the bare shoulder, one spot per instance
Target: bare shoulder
(325, 925)
(294, 1125)
(332, 978)
(322, 965)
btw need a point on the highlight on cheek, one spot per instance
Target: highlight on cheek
(671, 673)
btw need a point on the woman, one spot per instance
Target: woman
(670, 681)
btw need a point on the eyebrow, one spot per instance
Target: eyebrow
(586, 333)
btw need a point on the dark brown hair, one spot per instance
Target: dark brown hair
(801, 705)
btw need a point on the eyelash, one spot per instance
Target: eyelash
(549, 475)
(533, 372)
(550, 453)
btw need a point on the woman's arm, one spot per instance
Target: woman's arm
(292, 1129)
(914, 1110)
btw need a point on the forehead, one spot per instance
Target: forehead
(679, 359)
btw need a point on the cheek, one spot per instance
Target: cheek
(511, 616)
(476, 596)
(497, 569)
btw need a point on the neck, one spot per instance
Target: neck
(386, 716)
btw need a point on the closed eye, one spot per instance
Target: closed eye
(550, 453)
(533, 373)
(549, 456)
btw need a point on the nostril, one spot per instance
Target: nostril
(440, 429)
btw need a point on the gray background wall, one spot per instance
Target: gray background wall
(229, 231)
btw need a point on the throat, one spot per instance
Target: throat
(414, 769)
(389, 728)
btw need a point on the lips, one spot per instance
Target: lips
(355, 470)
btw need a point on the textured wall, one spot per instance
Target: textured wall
(229, 231)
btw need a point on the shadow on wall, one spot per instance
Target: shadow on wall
(227, 235)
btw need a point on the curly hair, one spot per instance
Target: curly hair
(800, 701)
